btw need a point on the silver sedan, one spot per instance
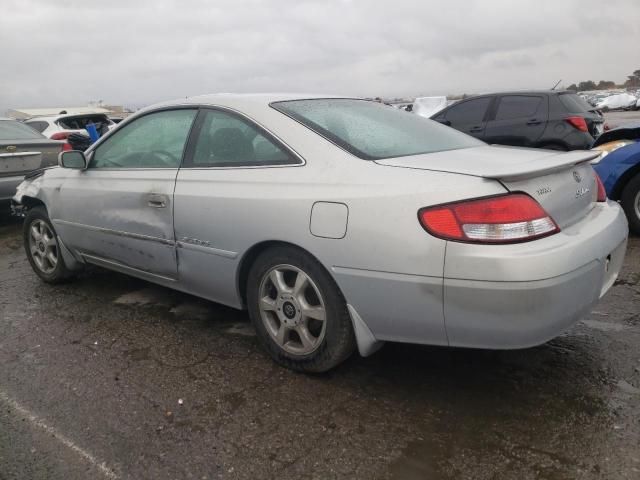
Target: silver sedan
(338, 223)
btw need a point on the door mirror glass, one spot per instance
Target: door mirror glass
(72, 159)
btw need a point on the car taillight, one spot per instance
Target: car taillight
(59, 136)
(602, 193)
(511, 218)
(606, 127)
(577, 122)
(66, 147)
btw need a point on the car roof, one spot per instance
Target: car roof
(521, 92)
(65, 115)
(240, 100)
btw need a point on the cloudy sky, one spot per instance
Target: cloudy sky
(135, 52)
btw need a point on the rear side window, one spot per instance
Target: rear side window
(227, 140)
(469, 111)
(517, 106)
(12, 130)
(573, 103)
(38, 125)
(372, 131)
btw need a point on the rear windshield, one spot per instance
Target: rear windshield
(372, 130)
(12, 130)
(574, 104)
(80, 123)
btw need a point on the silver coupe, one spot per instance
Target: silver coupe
(338, 223)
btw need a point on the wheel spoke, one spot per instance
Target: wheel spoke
(49, 241)
(53, 259)
(267, 303)
(283, 333)
(34, 250)
(316, 313)
(301, 283)
(38, 259)
(35, 233)
(308, 340)
(277, 278)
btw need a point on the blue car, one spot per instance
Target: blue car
(619, 169)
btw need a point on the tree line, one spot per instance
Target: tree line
(633, 81)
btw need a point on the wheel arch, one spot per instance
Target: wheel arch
(624, 179)
(32, 202)
(252, 254)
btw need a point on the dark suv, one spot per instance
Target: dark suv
(543, 119)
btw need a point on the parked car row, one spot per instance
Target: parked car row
(22, 150)
(540, 119)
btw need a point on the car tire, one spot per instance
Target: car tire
(630, 201)
(42, 246)
(299, 314)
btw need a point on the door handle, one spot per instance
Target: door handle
(534, 122)
(476, 129)
(157, 200)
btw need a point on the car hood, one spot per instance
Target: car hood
(493, 161)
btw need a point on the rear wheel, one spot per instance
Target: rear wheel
(630, 200)
(298, 311)
(42, 247)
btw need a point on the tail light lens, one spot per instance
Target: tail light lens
(602, 193)
(510, 218)
(577, 122)
(59, 136)
(66, 147)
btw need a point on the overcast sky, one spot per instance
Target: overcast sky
(135, 52)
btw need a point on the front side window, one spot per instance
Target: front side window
(227, 140)
(517, 106)
(156, 140)
(468, 111)
(12, 130)
(372, 131)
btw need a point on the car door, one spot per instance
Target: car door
(230, 165)
(119, 211)
(519, 120)
(468, 116)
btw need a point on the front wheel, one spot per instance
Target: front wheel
(630, 200)
(298, 311)
(42, 247)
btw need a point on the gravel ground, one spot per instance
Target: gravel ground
(112, 377)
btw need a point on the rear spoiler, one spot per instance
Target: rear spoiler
(542, 166)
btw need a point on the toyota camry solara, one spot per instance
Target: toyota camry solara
(338, 223)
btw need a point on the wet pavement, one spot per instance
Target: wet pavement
(113, 377)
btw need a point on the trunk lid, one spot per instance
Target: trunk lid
(564, 183)
(22, 156)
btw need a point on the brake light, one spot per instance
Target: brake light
(59, 136)
(66, 147)
(510, 218)
(602, 193)
(577, 122)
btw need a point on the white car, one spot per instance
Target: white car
(58, 127)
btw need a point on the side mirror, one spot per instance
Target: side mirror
(72, 159)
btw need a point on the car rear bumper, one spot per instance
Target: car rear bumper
(495, 296)
(533, 291)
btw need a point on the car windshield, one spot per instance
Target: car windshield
(574, 104)
(372, 130)
(12, 130)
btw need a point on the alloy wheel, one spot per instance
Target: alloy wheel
(43, 246)
(292, 309)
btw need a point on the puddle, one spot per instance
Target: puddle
(604, 326)
(241, 329)
(146, 296)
